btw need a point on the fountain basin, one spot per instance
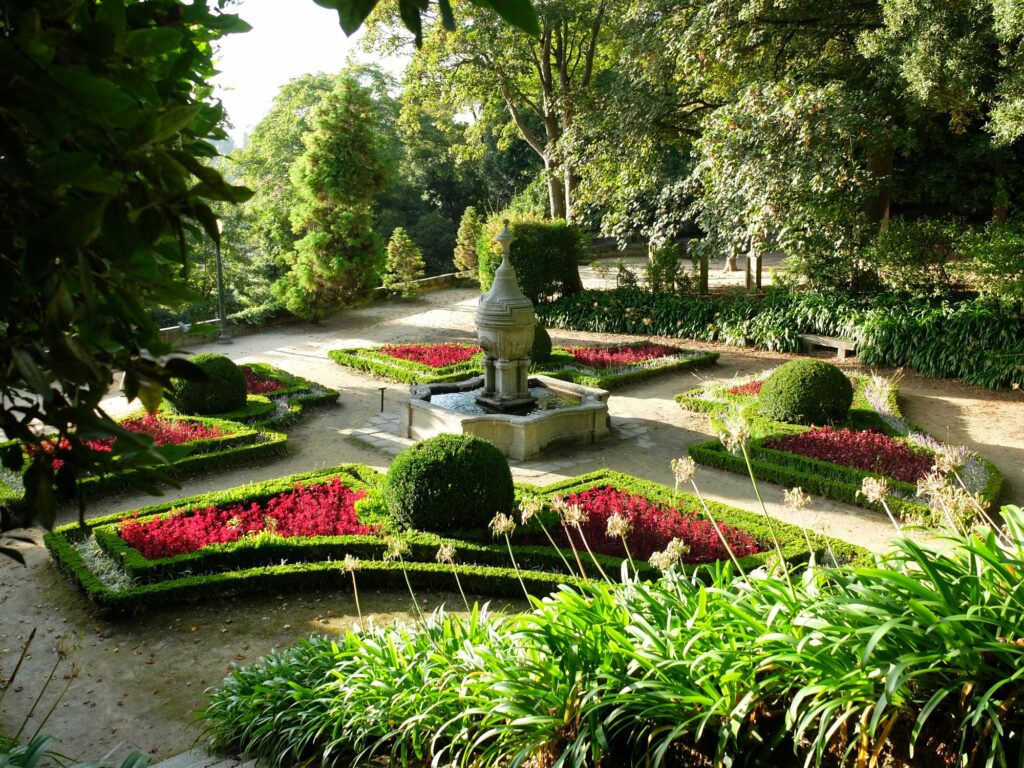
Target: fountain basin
(564, 413)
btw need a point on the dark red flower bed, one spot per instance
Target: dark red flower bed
(258, 384)
(434, 355)
(326, 509)
(163, 432)
(750, 388)
(654, 525)
(622, 354)
(867, 449)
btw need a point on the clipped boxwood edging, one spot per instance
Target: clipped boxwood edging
(562, 365)
(269, 563)
(405, 371)
(834, 481)
(238, 444)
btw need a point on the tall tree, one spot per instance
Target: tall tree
(338, 258)
(540, 80)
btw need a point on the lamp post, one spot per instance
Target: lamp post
(223, 337)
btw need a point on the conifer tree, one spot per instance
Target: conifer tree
(404, 264)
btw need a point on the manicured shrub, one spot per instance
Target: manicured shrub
(448, 483)
(404, 264)
(806, 392)
(225, 389)
(545, 255)
(465, 243)
(541, 349)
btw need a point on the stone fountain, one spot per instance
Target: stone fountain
(520, 414)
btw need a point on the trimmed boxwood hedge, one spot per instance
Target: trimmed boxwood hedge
(271, 563)
(562, 365)
(834, 481)
(238, 444)
(405, 371)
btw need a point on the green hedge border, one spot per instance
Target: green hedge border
(833, 481)
(595, 377)
(241, 443)
(405, 371)
(299, 394)
(255, 565)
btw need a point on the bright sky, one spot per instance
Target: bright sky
(288, 38)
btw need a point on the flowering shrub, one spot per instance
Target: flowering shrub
(652, 526)
(163, 432)
(750, 388)
(327, 509)
(868, 450)
(258, 384)
(434, 355)
(621, 354)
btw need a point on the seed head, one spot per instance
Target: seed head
(684, 468)
(874, 489)
(530, 508)
(350, 564)
(735, 433)
(796, 499)
(446, 554)
(619, 527)
(396, 548)
(502, 525)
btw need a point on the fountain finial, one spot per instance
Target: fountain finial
(504, 239)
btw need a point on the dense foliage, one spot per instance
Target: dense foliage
(978, 340)
(921, 654)
(223, 388)
(544, 254)
(105, 141)
(806, 392)
(448, 483)
(865, 449)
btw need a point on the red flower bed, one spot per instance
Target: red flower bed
(258, 384)
(434, 355)
(868, 449)
(654, 525)
(750, 388)
(622, 354)
(163, 432)
(316, 510)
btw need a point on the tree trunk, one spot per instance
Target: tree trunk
(877, 207)
(556, 191)
(571, 181)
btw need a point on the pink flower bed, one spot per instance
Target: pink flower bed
(434, 355)
(258, 384)
(750, 388)
(653, 526)
(163, 432)
(327, 509)
(622, 354)
(868, 450)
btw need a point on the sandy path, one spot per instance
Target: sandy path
(142, 680)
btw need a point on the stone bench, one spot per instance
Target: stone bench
(843, 347)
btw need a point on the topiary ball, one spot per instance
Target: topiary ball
(448, 483)
(224, 390)
(541, 349)
(806, 392)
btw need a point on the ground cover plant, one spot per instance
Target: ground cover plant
(596, 366)
(606, 367)
(874, 441)
(274, 398)
(979, 340)
(916, 659)
(237, 541)
(414, 363)
(189, 444)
